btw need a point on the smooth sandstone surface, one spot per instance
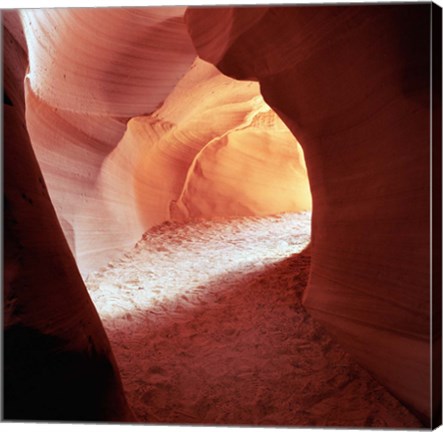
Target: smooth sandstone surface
(83, 85)
(352, 84)
(254, 171)
(58, 364)
(122, 175)
(112, 61)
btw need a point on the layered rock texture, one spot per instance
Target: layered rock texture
(141, 116)
(58, 363)
(352, 84)
(128, 128)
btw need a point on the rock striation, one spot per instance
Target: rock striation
(352, 84)
(58, 364)
(117, 129)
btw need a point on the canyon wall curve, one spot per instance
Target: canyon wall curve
(352, 84)
(117, 148)
(58, 364)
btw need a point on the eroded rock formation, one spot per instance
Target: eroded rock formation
(113, 167)
(112, 171)
(352, 84)
(130, 128)
(58, 363)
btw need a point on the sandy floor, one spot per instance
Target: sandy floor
(206, 324)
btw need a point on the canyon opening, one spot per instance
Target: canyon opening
(221, 215)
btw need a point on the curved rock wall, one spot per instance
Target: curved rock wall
(58, 363)
(90, 71)
(116, 128)
(352, 84)
(254, 171)
(111, 61)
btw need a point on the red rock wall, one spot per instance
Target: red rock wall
(352, 84)
(58, 363)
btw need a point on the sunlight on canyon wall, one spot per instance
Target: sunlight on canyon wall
(200, 144)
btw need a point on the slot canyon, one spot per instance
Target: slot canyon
(223, 215)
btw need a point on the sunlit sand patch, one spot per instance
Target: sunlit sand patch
(176, 261)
